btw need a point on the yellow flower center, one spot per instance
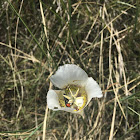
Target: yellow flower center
(74, 97)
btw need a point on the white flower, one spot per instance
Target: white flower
(77, 89)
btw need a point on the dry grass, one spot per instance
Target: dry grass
(101, 37)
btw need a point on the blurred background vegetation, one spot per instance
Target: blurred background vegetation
(102, 37)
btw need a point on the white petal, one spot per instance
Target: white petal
(68, 109)
(93, 89)
(52, 100)
(72, 110)
(69, 74)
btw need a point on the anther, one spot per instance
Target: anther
(76, 92)
(67, 97)
(71, 92)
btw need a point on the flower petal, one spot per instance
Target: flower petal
(52, 100)
(93, 89)
(69, 74)
(67, 109)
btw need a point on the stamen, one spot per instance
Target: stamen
(76, 92)
(71, 92)
(67, 97)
